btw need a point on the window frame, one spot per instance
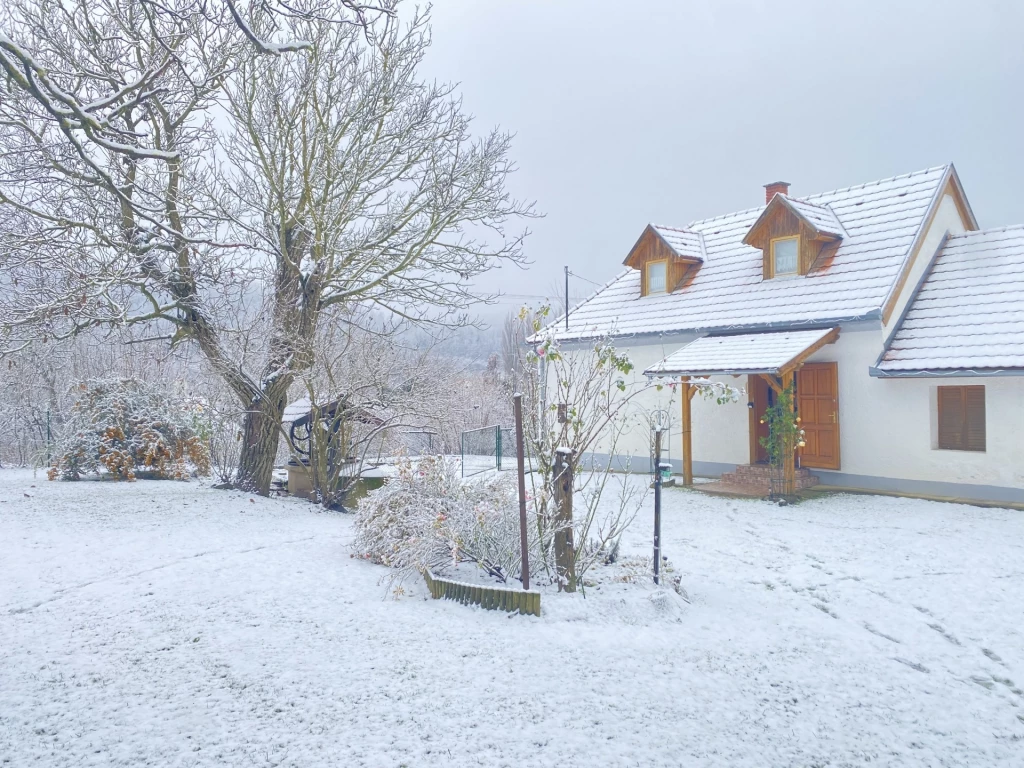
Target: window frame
(647, 277)
(967, 429)
(771, 255)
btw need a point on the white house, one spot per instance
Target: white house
(900, 324)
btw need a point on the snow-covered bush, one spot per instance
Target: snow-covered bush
(428, 517)
(126, 428)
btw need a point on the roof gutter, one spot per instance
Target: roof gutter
(944, 373)
(735, 330)
(724, 372)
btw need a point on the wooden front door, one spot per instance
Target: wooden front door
(761, 396)
(817, 404)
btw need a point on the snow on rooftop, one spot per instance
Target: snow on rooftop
(297, 410)
(821, 217)
(745, 353)
(881, 221)
(969, 312)
(685, 242)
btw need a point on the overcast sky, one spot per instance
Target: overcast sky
(630, 112)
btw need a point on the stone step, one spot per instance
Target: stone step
(762, 470)
(759, 476)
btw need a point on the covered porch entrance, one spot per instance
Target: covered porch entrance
(772, 362)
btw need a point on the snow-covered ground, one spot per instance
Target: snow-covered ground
(167, 624)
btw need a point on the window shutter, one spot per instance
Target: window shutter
(951, 418)
(962, 418)
(975, 405)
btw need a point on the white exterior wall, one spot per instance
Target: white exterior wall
(887, 427)
(719, 431)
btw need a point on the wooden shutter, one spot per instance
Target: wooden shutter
(975, 418)
(962, 418)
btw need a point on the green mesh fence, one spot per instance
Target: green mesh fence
(487, 449)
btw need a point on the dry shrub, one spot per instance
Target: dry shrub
(429, 517)
(126, 428)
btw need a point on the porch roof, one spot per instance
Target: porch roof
(773, 352)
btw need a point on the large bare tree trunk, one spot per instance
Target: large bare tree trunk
(261, 434)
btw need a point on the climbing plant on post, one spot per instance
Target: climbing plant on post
(784, 437)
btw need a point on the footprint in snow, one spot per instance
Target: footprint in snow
(942, 631)
(912, 664)
(825, 609)
(874, 631)
(993, 656)
(984, 681)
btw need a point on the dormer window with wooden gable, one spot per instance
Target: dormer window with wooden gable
(793, 235)
(666, 258)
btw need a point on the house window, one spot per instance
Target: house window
(785, 251)
(962, 418)
(656, 271)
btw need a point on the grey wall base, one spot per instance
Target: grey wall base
(965, 491)
(644, 465)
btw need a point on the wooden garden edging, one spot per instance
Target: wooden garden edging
(491, 598)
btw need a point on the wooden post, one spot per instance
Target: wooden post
(657, 504)
(687, 437)
(789, 458)
(517, 407)
(565, 554)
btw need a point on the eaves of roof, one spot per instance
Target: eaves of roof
(731, 330)
(940, 373)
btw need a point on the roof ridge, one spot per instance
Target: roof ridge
(808, 198)
(804, 200)
(875, 183)
(675, 229)
(724, 216)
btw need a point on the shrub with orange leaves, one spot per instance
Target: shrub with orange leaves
(127, 428)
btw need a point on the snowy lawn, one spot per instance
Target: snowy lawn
(168, 624)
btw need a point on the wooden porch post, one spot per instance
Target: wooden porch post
(687, 426)
(789, 460)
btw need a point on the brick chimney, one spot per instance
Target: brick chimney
(771, 190)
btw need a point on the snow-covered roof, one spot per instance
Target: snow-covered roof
(687, 243)
(880, 221)
(968, 314)
(821, 217)
(296, 410)
(770, 352)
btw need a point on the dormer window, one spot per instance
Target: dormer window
(666, 258)
(657, 272)
(785, 256)
(795, 237)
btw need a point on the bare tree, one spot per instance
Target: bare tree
(159, 168)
